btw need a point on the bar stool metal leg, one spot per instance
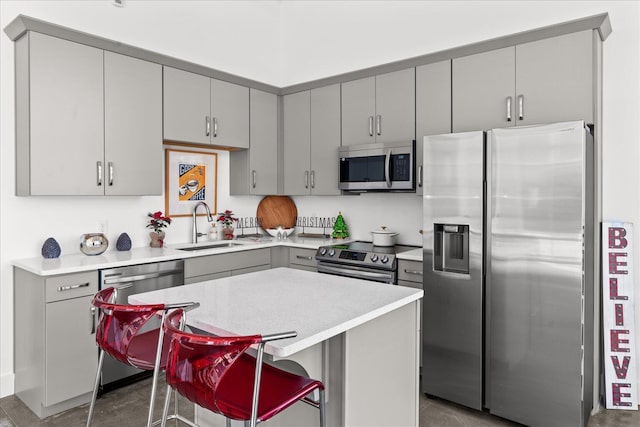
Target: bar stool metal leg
(96, 384)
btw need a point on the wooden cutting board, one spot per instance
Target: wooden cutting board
(274, 211)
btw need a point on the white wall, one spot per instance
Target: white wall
(284, 43)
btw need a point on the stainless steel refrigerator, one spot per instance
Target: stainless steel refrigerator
(509, 265)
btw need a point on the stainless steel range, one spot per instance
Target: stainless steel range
(361, 260)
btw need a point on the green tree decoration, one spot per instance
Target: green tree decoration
(340, 230)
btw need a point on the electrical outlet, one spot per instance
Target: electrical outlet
(102, 227)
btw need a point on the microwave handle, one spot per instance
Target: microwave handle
(387, 168)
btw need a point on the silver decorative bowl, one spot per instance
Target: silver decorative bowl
(93, 243)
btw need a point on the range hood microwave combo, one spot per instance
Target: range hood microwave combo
(380, 166)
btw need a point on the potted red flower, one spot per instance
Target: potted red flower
(158, 222)
(227, 219)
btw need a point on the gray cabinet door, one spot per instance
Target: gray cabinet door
(65, 101)
(433, 108)
(358, 111)
(297, 143)
(395, 106)
(230, 114)
(325, 140)
(133, 126)
(71, 352)
(263, 153)
(554, 76)
(187, 106)
(481, 86)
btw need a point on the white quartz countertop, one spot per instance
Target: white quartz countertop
(78, 262)
(317, 306)
(412, 255)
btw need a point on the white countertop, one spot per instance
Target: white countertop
(78, 262)
(412, 255)
(317, 306)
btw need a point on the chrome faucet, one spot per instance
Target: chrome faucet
(195, 234)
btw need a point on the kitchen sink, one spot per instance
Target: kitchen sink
(210, 246)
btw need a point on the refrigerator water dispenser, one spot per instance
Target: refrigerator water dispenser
(451, 248)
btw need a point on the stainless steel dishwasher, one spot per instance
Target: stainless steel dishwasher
(130, 280)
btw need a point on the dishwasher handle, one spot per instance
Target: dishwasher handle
(138, 277)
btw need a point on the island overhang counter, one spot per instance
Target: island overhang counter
(359, 337)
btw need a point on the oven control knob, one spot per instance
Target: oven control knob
(374, 257)
(323, 251)
(384, 259)
(332, 252)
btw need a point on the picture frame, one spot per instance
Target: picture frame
(190, 177)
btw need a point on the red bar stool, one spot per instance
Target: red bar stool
(119, 334)
(216, 373)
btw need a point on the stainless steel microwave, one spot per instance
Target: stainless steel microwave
(381, 166)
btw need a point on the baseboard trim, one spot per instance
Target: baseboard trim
(7, 384)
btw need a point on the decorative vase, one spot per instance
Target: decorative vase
(157, 239)
(124, 242)
(93, 243)
(227, 233)
(51, 248)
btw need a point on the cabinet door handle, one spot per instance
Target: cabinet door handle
(370, 125)
(379, 124)
(215, 127)
(71, 287)
(313, 179)
(110, 173)
(413, 272)
(304, 257)
(520, 107)
(99, 170)
(207, 126)
(306, 179)
(420, 176)
(508, 108)
(253, 178)
(92, 313)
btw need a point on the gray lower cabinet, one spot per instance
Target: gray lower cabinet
(311, 141)
(302, 259)
(223, 265)
(84, 118)
(433, 108)
(255, 171)
(545, 81)
(202, 110)
(379, 108)
(56, 356)
(410, 274)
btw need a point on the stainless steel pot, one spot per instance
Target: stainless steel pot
(383, 237)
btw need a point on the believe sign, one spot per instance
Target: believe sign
(618, 316)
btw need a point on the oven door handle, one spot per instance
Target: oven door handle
(355, 272)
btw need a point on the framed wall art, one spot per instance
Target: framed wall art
(190, 177)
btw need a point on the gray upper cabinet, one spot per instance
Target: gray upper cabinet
(133, 126)
(433, 107)
(544, 81)
(311, 141)
(80, 115)
(255, 171)
(379, 109)
(202, 110)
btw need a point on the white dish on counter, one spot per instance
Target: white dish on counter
(274, 231)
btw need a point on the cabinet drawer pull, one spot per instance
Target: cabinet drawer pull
(207, 125)
(420, 176)
(370, 125)
(215, 127)
(508, 108)
(520, 107)
(306, 179)
(308, 258)
(110, 173)
(99, 170)
(253, 178)
(379, 124)
(71, 287)
(92, 313)
(313, 179)
(413, 272)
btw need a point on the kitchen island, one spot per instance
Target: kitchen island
(359, 337)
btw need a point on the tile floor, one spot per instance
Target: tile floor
(127, 407)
